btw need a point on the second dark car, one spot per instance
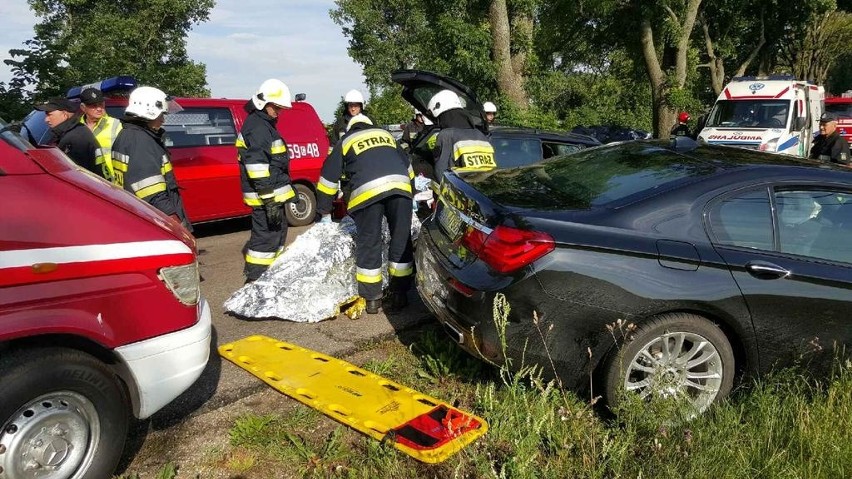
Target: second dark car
(661, 269)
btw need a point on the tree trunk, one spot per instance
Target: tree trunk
(510, 80)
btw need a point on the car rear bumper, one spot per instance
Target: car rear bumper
(159, 369)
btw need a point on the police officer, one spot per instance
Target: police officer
(104, 127)
(411, 131)
(354, 105)
(264, 173)
(459, 145)
(380, 179)
(829, 145)
(141, 163)
(71, 137)
(682, 129)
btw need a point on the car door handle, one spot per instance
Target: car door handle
(766, 270)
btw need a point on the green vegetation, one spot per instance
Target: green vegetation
(788, 425)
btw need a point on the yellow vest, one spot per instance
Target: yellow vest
(105, 131)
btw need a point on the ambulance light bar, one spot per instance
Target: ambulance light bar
(109, 86)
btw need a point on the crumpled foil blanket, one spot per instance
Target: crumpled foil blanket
(312, 278)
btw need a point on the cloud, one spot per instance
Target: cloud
(245, 42)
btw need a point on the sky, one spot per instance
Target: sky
(245, 42)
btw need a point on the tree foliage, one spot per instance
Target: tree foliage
(83, 41)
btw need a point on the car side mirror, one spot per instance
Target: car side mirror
(300, 96)
(800, 122)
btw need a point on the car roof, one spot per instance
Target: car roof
(511, 131)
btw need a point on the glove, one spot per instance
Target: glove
(274, 212)
(325, 219)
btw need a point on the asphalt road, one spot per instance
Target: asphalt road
(220, 245)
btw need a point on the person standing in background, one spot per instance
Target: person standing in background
(104, 127)
(72, 137)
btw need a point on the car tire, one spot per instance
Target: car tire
(699, 362)
(61, 411)
(301, 211)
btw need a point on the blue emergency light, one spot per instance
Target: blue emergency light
(109, 86)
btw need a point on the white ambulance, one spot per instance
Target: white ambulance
(776, 114)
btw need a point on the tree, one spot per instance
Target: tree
(82, 41)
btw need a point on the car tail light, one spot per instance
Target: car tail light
(183, 282)
(508, 249)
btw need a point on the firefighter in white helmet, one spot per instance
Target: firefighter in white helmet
(490, 111)
(264, 174)
(353, 104)
(459, 145)
(140, 159)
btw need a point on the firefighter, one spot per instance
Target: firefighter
(411, 131)
(353, 105)
(380, 179)
(264, 174)
(459, 144)
(490, 110)
(682, 129)
(104, 127)
(829, 146)
(140, 159)
(71, 137)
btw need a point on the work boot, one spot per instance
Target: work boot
(373, 305)
(394, 301)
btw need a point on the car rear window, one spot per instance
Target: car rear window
(592, 178)
(514, 152)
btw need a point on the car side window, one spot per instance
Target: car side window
(815, 223)
(200, 127)
(557, 149)
(513, 152)
(744, 220)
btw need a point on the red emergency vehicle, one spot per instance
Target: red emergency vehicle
(842, 107)
(101, 315)
(201, 141)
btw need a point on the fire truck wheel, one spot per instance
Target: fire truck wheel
(301, 211)
(63, 414)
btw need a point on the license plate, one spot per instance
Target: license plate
(450, 221)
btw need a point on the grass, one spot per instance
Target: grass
(787, 425)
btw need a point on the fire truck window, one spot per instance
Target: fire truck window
(200, 127)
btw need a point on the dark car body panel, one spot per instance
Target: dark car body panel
(632, 257)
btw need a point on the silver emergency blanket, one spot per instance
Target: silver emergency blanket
(312, 278)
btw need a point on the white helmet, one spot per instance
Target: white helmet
(353, 96)
(272, 91)
(359, 118)
(443, 101)
(147, 102)
(489, 107)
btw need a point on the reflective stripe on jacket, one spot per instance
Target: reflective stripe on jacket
(374, 164)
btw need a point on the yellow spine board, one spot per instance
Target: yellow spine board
(427, 429)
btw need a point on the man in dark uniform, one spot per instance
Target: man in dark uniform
(411, 131)
(682, 128)
(829, 145)
(264, 173)
(460, 145)
(380, 180)
(72, 137)
(141, 162)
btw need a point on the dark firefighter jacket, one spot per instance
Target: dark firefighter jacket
(374, 164)
(264, 160)
(141, 166)
(463, 149)
(78, 142)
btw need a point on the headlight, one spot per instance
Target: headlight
(771, 145)
(183, 282)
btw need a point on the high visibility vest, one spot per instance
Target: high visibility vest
(105, 131)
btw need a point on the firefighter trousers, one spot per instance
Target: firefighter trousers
(368, 246)
(264, 244)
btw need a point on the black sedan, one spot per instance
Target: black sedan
(662, 268)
